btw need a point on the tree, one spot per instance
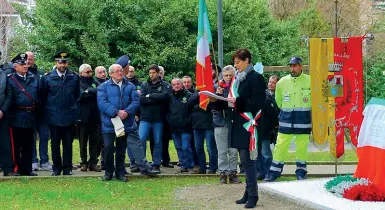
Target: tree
(161, 32)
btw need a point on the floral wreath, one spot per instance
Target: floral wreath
(356, 189)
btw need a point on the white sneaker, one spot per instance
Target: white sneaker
(35, 166)
(46, 166)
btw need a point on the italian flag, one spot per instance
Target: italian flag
(337, 91)
(371, 144)
(204, 79)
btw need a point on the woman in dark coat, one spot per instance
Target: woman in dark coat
(247, 97)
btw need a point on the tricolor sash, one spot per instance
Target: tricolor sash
(250, 125)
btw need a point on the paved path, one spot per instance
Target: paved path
(313, 170)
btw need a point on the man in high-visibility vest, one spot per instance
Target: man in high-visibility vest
(293, 98)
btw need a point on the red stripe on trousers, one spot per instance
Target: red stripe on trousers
(15, 168)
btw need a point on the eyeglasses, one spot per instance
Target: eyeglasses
(88, 72)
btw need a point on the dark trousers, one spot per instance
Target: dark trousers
(89, 133)
(22, 149)
(165, 144)
(194, 151)
(100, 150)
(5, 147)
(120, 153)
(251, 172)
(65, 136)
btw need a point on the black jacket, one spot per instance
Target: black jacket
(154, 107)
(101, 80)
(136, 82)
(88, 111)
(270, 116)
(201, 119)
(251, 99)
(179, 111)
(5, 99)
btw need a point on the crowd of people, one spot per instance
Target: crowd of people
(53, 104)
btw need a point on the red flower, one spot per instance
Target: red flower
(365, 193)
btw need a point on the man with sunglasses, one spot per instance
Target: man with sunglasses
(88, 119)
(60, 92)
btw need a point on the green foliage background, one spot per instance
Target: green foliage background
(164, 32)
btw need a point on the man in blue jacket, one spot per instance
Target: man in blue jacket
(118, 97)
(23, 89)
(60, 92)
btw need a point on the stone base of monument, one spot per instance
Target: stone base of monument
(311, 193)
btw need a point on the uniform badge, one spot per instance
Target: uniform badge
(63, 55)
(305, 99)
(184, 100)
(93, 85)
(160, 88)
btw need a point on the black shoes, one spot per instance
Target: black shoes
(68, 173)
(31, 174)
(223, 178)
(107, 177)
(233, 178)
(122, 178)
(151, 172)
(55, 173)
(212, 172)
(156, 169)
(251, 202)
(244, 199)
(134, 169)
(168, 165)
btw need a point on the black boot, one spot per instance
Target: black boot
(251, 202)
(243, 200)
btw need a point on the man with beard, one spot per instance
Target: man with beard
(153, 106)
(60, 91)
(88, 119)
(41, 125)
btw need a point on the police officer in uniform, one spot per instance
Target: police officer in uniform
(60, 91)
(23, 87)
(5, 143)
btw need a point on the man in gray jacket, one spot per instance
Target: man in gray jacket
(5, 143)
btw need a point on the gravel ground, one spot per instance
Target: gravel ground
(223, 197)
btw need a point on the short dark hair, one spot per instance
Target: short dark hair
(154, 67)
(242, 54)
(275, 77)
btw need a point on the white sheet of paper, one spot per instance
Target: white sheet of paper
(118, 126)
(212, 95)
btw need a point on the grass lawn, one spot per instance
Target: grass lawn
(92, 193)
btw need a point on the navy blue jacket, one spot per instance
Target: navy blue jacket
(59, 97)
(18, 116)
(111, 99)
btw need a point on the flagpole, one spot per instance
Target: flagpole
(215, 63)
(220, 34)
